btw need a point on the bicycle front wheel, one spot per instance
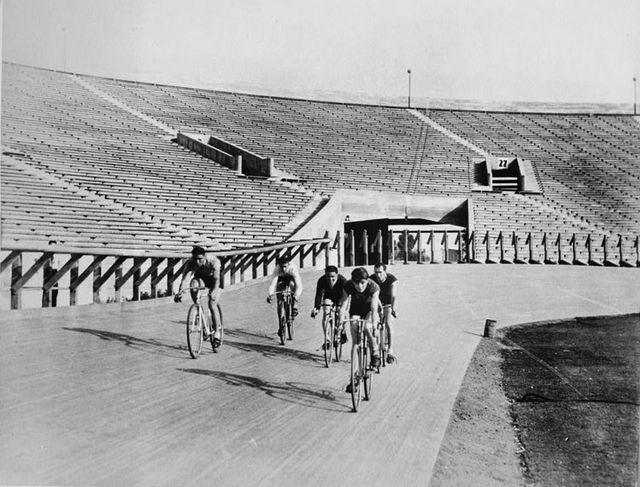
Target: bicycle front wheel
(327, 325)
(356, 376)
(195, 330)
(367, 371)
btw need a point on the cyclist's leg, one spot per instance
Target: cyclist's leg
(214, 298)
(368, 329)
(389, 321)
(294, 301)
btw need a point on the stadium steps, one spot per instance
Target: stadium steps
(108, 98)
(35, 202)
(280, 176)
(449, 133)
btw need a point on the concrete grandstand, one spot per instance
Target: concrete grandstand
(101, 164)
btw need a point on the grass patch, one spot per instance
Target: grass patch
(574, 393)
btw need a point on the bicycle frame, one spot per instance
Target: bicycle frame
(360, 360)
(285, 314)
(198, 324)
(329, 329)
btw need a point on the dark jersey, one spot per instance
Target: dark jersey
(360, 301)
(324, 290)
(208, 272)
(385, 287)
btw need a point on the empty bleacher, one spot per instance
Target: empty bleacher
(587, 166)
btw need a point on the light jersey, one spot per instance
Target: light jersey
(360, 301)
(207, 272)
(282, 279)
(385, 287)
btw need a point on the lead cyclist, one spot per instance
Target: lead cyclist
(204, 271)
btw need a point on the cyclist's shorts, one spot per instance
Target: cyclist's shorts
(205, 281)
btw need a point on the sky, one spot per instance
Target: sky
(575, 51)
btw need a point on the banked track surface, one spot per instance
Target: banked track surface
(107, 395)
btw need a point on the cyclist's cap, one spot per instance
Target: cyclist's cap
(331, 268)
(380, 265)
(197, 251)
(283, 260)
(359, 274)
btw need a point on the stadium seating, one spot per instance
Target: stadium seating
(586, 165)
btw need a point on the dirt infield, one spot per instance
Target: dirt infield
(548, 404)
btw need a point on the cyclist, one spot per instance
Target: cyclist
(361, 297)
(329, 288)
(204, 271)
(286, 276)
(387, 283)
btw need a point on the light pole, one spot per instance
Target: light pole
(409, 97)
(64, 48)
(634, 95)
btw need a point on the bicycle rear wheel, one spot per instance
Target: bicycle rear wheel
(282, 316)
(290, 319)
(356, 376)
(195, 330)
(367, 371)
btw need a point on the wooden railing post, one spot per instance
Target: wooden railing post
(365, 246)
(607, 262)
(487, 242)
(16, 275)
(621, 260)
(379, 246)
(352, 248)
(405, 234)
(445, 241)
(432, 249)
(574, 248)
(97, 275)
(420, 247)
(547, 260)
(392, 250)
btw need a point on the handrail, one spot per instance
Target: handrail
(65, 249)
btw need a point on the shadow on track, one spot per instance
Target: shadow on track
(290, 391)
(271, 351)
(145, 345)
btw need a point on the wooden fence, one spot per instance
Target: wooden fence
(138, 269)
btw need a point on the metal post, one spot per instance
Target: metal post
(406, 246)
(365, 246)
(409, 97)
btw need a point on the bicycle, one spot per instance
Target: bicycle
(361, 370)
(285, 315)
(332, 331)
(198, 324)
